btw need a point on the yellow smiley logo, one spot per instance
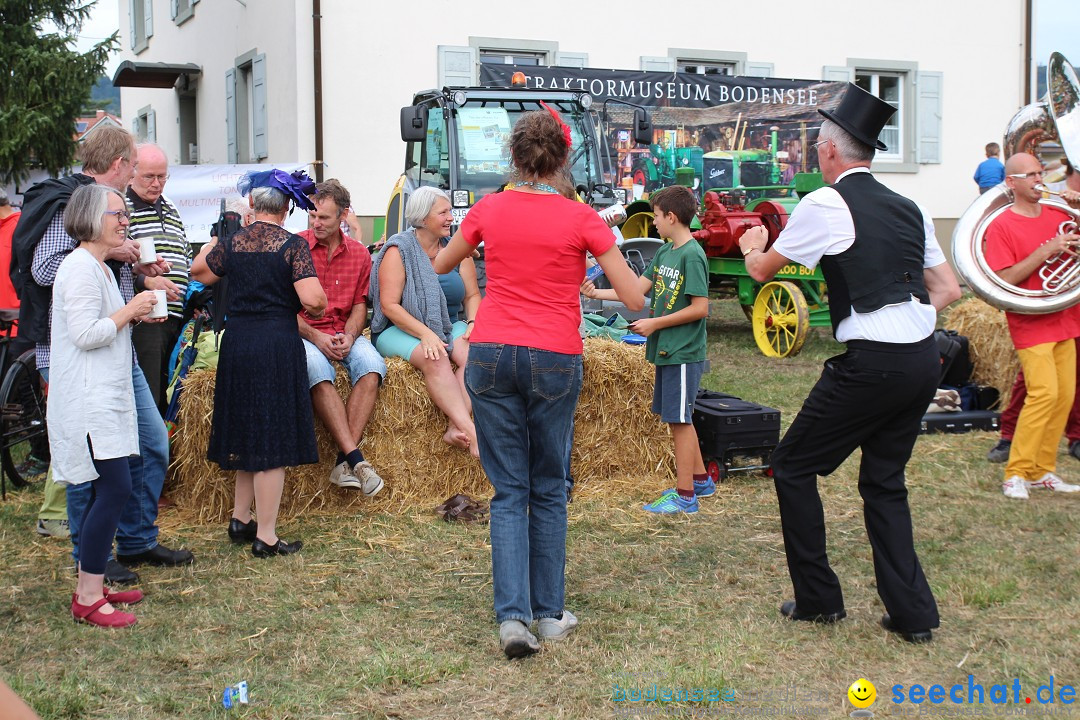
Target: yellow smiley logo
(862, 693)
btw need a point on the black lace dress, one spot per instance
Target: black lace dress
(262, 408)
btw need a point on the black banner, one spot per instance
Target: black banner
(731, 131)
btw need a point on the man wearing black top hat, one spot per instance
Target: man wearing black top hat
(887, 279)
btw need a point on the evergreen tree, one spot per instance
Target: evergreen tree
(46, 83)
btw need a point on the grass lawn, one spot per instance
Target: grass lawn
(389, 616)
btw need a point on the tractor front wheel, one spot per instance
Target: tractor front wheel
(781, 319)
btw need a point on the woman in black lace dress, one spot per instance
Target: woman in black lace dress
(262, 410)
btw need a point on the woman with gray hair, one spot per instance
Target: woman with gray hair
(416, 310)
(263, 420)
(93, 427)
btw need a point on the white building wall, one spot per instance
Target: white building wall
(376, 55)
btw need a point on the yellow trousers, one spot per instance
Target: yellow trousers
(1050, 373)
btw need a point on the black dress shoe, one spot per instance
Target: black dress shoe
(117, 574)
(158, 555)
(912, 636)
(243, 532)
(789, 610)
(263, 550)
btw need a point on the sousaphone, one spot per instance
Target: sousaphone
(1057, 117)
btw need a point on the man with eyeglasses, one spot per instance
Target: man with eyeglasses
(155, 219)
(1018, 243)
(887, 279)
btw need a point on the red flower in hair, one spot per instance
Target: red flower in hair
(558, 118)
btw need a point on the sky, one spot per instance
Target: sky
(104, 21)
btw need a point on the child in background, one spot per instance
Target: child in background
(678, 279)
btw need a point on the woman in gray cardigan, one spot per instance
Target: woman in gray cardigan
(410, 318)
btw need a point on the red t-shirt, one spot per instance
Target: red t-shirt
(8, 298)
(344, 278)
(1010, 239)
(534, 256)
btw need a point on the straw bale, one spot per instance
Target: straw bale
(620, 447)
(992, 352)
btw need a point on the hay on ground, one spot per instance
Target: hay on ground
(992, 352)
(620, 447)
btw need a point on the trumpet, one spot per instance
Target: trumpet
(1061, 271)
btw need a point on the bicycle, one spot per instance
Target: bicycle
(24, 439)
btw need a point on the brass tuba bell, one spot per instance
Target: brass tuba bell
(1057, 117)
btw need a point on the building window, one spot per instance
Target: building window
(145, 125)
(182, 10)
(141, 16)
(245, 109)
(699, 67)
(502, 57)
(889, 86)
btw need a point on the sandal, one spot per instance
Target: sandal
(463, 508)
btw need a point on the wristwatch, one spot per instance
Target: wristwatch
(748, 250)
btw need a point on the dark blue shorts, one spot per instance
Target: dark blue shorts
(675, 390)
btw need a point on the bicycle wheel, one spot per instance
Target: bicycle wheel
(24, 439)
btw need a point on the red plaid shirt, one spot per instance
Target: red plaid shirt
(344, 278)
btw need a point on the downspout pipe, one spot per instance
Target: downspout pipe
(316, 30)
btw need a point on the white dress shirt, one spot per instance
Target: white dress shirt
(821, 224)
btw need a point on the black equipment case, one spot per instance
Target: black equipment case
(960, 422)
(728, 426)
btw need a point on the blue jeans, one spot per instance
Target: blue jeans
(524, 401)
(137, 531)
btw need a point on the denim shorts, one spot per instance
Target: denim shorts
(395, 342)
(675, 391)
(361, 360)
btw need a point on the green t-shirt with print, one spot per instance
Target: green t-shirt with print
(677, 274)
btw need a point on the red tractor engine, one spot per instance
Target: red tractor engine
(725, 220)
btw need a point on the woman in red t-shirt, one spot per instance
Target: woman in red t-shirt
(524, 368)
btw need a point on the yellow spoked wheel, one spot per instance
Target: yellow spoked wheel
(781, 319)
(637, 226)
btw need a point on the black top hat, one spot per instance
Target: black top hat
(862, 115)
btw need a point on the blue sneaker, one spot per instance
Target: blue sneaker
(671, 503)
(705, 489)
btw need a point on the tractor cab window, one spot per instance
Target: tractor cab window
(429, 161)
(483, 133)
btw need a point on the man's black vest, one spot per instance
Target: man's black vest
(884, 266)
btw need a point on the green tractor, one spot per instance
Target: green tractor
(659, 167)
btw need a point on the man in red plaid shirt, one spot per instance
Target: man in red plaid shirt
(344, 269)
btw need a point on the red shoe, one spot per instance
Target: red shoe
(92, 615)
(124, 597)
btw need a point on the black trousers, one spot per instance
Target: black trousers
(872, 397)
(154, 343)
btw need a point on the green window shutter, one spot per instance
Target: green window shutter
(572, 59)
(759, 69)
(148, 18)
(928, 117)
(457, 66)
(657, 64)
(838, 73)
(261, 148)
(230, 115)
(134, 38)
(151, 126)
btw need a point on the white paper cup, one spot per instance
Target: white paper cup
(147, 251)
(161, 307)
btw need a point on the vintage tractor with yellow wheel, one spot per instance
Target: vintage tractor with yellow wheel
(784, 309)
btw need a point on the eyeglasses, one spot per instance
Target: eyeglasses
(819, 143)
(118, 214)
(1033, 175)
(154, 178)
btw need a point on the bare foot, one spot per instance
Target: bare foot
(455, 437)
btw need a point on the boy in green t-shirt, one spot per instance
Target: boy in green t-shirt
(678, 280)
